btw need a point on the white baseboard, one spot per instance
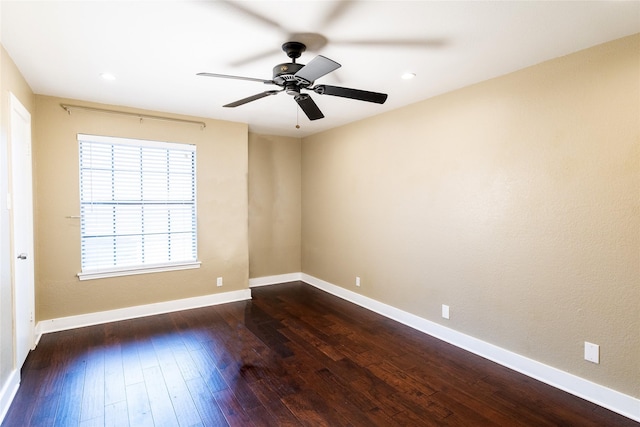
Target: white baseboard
(72, 322)
(272, 280)
(623, 404)
(8, 392)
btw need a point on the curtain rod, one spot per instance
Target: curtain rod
(69, 107)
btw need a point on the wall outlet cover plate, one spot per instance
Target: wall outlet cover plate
(591, 352)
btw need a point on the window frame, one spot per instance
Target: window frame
(115, 271)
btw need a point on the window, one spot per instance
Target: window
(137, 206)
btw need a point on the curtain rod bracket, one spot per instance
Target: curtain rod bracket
(69, 107)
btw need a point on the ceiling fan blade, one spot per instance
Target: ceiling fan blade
(226, 76)
(254, 58)
(318, 67)
(345, 92)
(309, 107)
(409, 43)
(250, 13)
(338, 9)
(252, 98)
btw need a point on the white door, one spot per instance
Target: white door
(22, 228)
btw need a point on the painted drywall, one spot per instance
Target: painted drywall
(221, 198)
(11, 81)
(274, 205)
(514, 201)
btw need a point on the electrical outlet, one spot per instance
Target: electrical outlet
(445, 311)
(357, 280)
(219, 281)
(591, 352)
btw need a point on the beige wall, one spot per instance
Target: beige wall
(515, 201)
(10, 81)
(222, 212)
(274, 205)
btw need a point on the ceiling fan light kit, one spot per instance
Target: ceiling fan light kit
(292, 77)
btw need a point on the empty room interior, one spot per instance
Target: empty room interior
(319, 213)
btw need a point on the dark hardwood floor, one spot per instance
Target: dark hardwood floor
(292, 356)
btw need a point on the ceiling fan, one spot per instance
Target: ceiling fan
(292, 78)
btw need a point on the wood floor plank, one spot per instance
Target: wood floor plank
(270, 399)
(132, 369)
(69, 405)
(138, 406)
(23, 409)
(375, 389)
(205, 403)
(181, 400)
(291, 356)
(146, 353)
(466, 408)
(93, 391)
(93, 422)
(233, 411)
(409, 418)
(318, 341)
(354, 408)
(55, 364)
(240, 387)
(116, 414)
(159, 400)
(46, 413)
(114, 384)
(208, 371)
(186, 364)
(312, 410)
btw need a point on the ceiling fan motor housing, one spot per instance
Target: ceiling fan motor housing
(283, 73)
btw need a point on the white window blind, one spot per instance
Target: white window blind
(137, 204)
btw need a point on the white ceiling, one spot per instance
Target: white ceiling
(155, 49)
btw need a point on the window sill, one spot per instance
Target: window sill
(103, 274)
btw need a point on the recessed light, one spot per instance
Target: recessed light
(408, 76)
(108, 76)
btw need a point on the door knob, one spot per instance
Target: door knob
(22, 256)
